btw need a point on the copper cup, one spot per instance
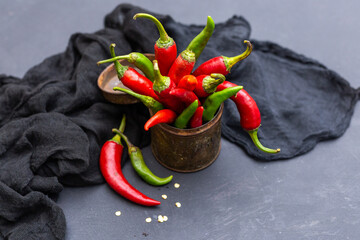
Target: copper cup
(187, 150)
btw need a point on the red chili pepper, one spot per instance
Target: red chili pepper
(110, 166)
(162, 86)
(132, 79)
(196, 120)
(250, 118)
(165, 47)
(182, 66)
(188, 82)
(222, 64)
(206, 84)
(163, 116)
(185, 96)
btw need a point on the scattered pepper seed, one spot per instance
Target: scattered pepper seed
(148, 220)
(160, 218)
(177, 204)
(176, 185)
(164, 196)
(165, 218)
(117, 213)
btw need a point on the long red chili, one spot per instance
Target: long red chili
(162, 86)
(185, 96)
(183, 65)
(165, 47)
(197, 119)
(110, 166)
(222, 64)
(132, 79)
(163, 116)
(250, 118)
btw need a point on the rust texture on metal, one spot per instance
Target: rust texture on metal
(108, 79)
(187, 150)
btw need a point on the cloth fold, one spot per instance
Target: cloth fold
(54, 121)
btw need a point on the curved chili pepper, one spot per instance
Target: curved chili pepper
(187, 82)
(222, 64)
(162, 86)
(149, 102)
(183, 119)
(110, 167)
(184, 95)
(139, 60)
(132, 79)
(207, 84)
(185, 62)
(250, 118)
(183, 65)
(213, 102)
(163, 116)
(137, 161)
(196, 120)
(198, 44)
(165, 47)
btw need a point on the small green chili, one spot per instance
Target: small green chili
(139, 165)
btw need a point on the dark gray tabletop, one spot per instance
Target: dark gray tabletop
(314, 196)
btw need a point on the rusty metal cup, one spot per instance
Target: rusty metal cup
(187, 150)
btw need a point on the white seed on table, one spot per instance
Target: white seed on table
(160, 218)
(164, 196)
(148, 220)
(177, 204)
(176, 185)
(165, 218)
(117, 213)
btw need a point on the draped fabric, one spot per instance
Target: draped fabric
(54, 120)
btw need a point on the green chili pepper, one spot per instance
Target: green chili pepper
(198, 44)
(138, 163)
(148, 101)
(213, 102)
(182, 120)
(139, 60)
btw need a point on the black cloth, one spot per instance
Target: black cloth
(54, 121)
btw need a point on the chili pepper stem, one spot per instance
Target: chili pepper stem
(117, 138)
(210, 83)
(231, 61)
(255, 139)
(160, 82)
(164, 37)
(119, 68)
(148, 101)
(110, 60)
(128, 143)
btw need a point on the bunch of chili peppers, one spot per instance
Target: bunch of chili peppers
(179, 95)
